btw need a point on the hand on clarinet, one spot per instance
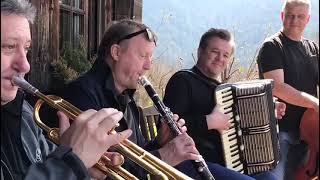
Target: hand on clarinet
(176, 149)
(165, 134)
(179, 149)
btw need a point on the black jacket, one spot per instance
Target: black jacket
(96, 90)
(26, 154)
(191, 96)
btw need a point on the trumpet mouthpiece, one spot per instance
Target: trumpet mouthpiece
(18, 80)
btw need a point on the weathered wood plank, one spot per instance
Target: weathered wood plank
(46, 32)
(40, 58)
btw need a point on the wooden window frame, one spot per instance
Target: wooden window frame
(71, 11)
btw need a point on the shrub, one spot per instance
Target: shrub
(72, 62)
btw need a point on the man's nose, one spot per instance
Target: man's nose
(219, 57)
(21, 62)
(147, 64)
(294, 19)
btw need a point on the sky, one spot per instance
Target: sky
(180, 24)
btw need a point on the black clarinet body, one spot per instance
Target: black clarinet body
(167, 116)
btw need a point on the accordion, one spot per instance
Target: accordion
(251, 145)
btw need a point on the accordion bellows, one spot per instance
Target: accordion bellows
(251, 145)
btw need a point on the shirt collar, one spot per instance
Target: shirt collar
(103, 74)
(14, 107)
(196, 70)
(290, 41)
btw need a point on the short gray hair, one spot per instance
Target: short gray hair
(20, 8)
(297, 2)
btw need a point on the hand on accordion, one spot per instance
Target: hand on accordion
(218, 120)
(280, 108)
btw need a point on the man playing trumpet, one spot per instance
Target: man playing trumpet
(25, 153)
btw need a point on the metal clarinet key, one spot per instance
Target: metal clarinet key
(167, 116)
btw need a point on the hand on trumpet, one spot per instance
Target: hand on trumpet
(88, 134)
(115, 159)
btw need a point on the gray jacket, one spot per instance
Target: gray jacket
(47, 161)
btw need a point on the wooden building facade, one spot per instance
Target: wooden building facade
(60, 21)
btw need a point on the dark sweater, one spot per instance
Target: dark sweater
(192, 98)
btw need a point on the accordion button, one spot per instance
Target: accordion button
(241, 147)
(237, 118)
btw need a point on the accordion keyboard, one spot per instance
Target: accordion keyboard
(251, 144)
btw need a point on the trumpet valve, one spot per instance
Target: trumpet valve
(54, 135)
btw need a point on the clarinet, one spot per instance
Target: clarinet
(167, 116)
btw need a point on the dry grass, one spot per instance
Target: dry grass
(160, 74)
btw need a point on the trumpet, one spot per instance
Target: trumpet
(152, 164)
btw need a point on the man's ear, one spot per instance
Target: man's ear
(199, 51)
(282, 15)
(308, 20)
(115, 51)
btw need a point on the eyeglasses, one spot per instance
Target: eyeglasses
(150, 36)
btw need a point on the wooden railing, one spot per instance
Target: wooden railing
(148, 121)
